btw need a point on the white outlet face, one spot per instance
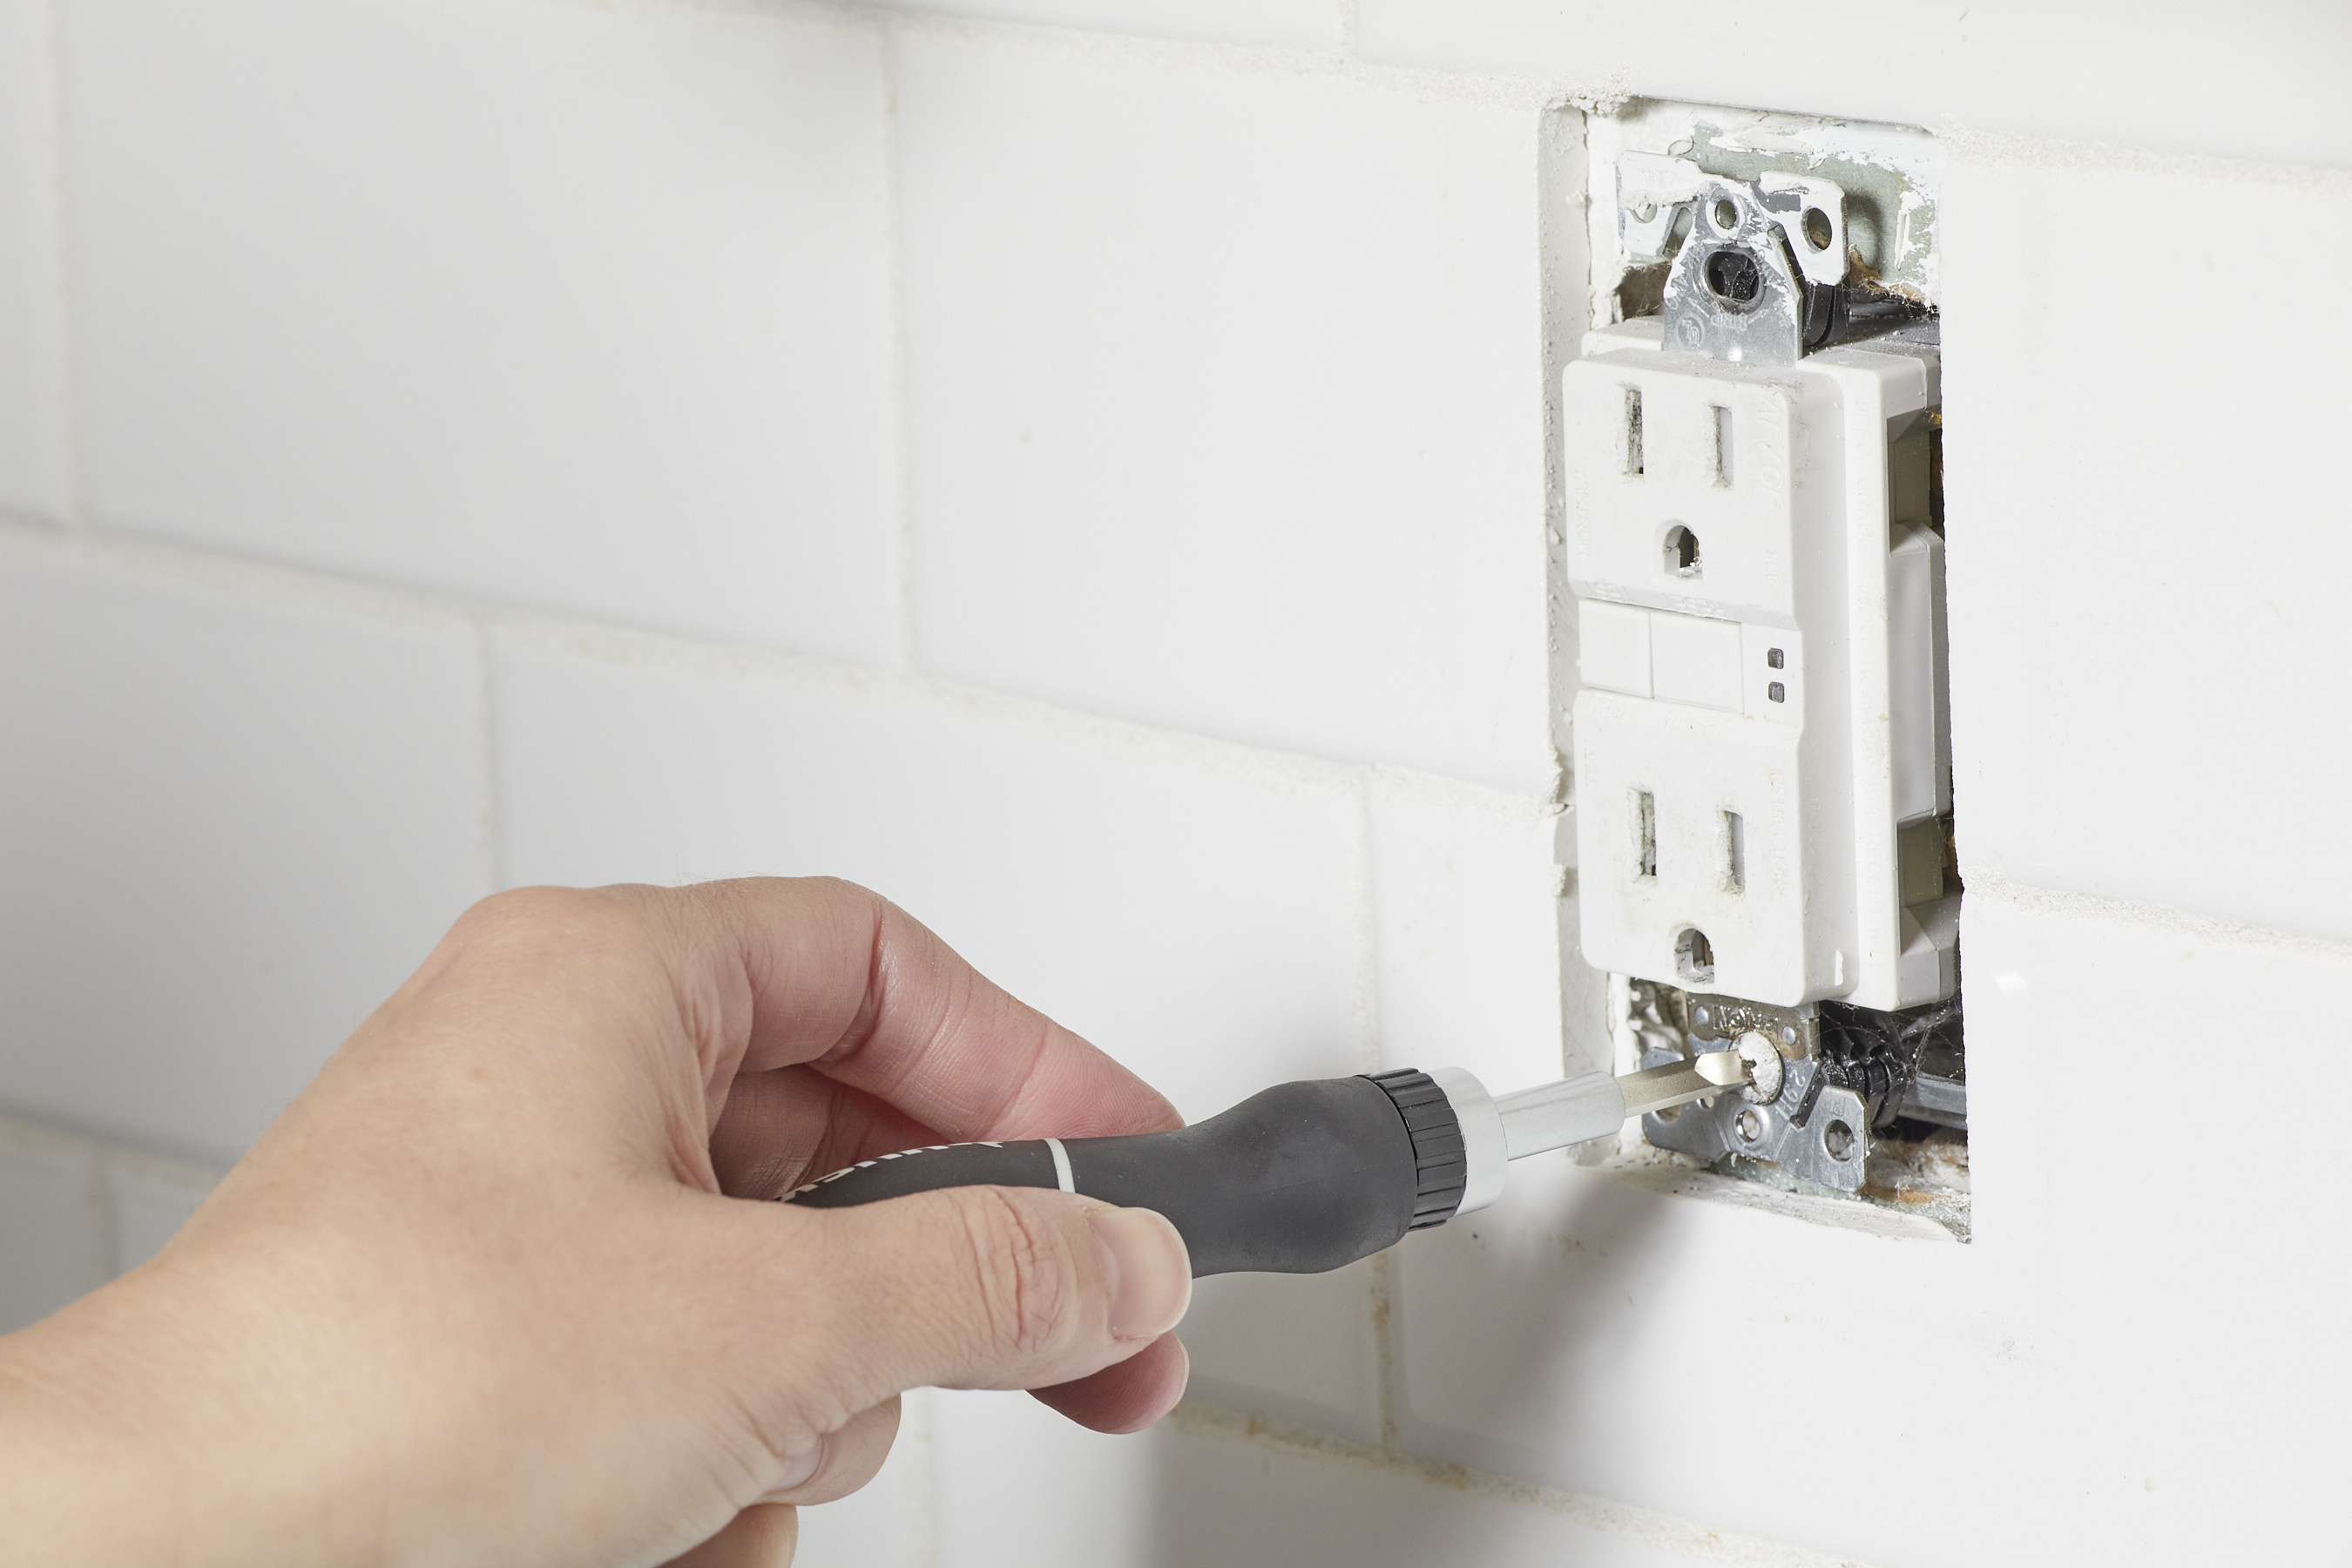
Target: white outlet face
(1760, 647)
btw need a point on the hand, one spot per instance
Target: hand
(487, 1291)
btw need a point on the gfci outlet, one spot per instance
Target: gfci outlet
(1759, 641)
(1760, 743)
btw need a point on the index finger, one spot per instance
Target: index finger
(841, 979)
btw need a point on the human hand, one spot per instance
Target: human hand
(487, 1291)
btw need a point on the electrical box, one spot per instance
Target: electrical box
(1762, 743)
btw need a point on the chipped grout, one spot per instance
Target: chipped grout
(1660, 1531)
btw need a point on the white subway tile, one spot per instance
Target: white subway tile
(1020, 1487)
(2140, 1336)
(149, 1210)
(2261, 80)
(1465, 905)
(235, 828)
(578, 305)
(1201, 927)
(49, 1246)
(2146, 556)
(1301, 24)
(33, 461)
(1225, 402)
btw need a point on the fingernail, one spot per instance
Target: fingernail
(1150, 1275)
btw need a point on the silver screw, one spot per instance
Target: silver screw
(1766, 1070)
(1702, 1019)
(1788, 1035)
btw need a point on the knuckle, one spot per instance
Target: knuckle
(1023, 1272)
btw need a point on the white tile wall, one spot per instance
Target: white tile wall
(1224, 399)
(2130, 1234)
(1221, 375)
(2262, 80)
(32, 462)
(568, 304)
(2144, 599)
(235, 827)
(1300, 24)
(50, 1246)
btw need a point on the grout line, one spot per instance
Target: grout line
(1660, 1531)
(894, 271)
(1389, 1365)
(2001, 149)
(184, 1163)
(1990, 886)
(1367, 979)
(918, 1480)
(1079, 45)
(315, 589)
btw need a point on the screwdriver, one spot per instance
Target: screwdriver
(1305, 1176)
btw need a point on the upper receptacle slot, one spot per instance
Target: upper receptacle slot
(1699, 519)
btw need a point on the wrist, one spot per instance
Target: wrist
(126, 1437)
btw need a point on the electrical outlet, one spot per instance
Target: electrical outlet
(1760, 741)
(1761, 715)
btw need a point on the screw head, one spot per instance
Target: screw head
(1700, 1017)
(1788, 1033)
(1767, 1071)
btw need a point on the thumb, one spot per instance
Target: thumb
(976, 1288)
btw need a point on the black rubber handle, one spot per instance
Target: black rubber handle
(1303, 1178)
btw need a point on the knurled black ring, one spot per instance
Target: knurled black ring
(1441, 1162)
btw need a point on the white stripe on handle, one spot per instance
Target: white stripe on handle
(1062, 1177)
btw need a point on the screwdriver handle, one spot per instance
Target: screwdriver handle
(1299, 1179)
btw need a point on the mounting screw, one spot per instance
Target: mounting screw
(1766, 1070)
